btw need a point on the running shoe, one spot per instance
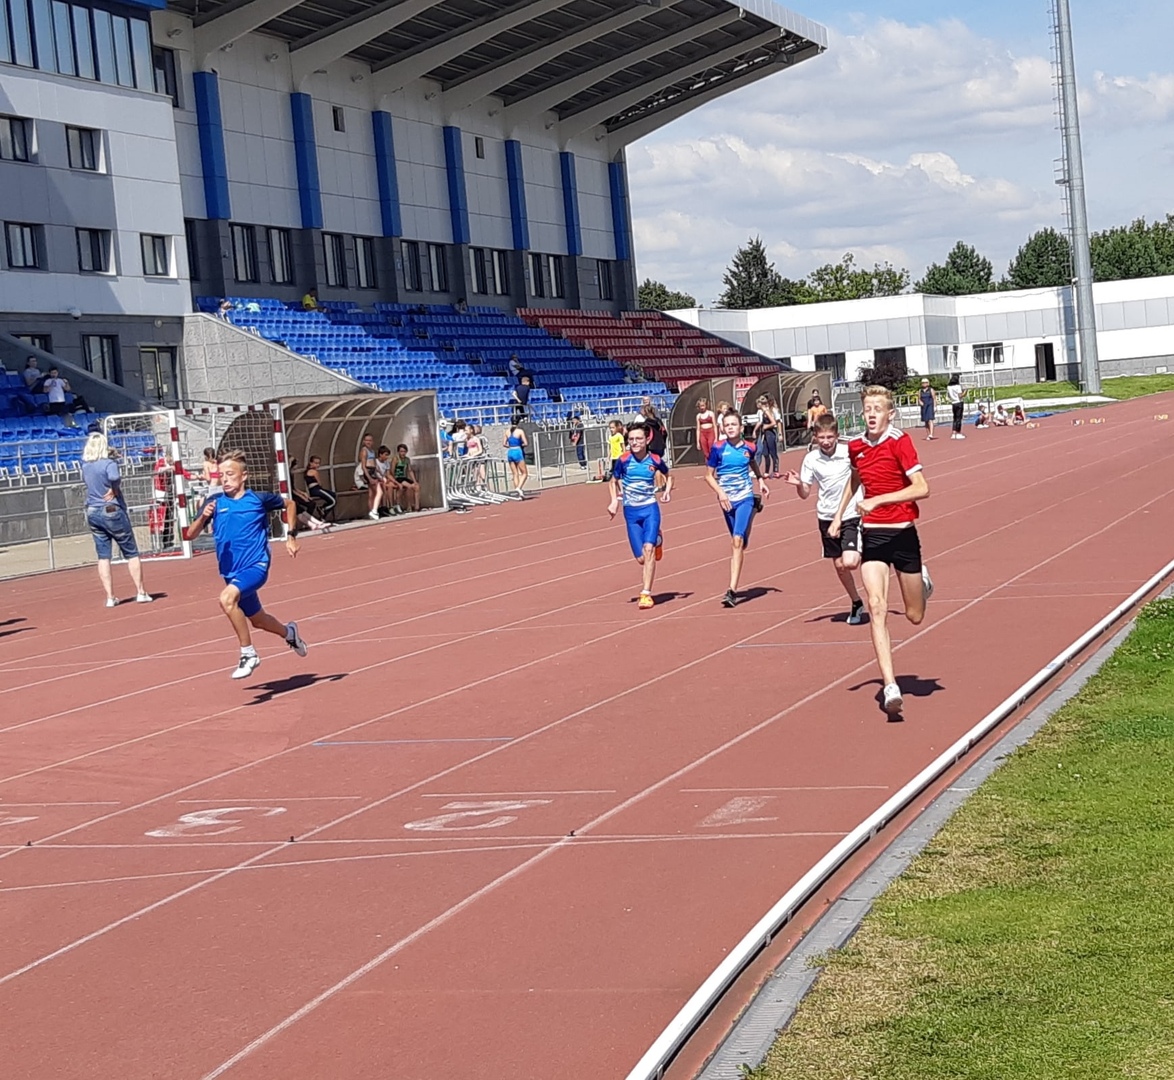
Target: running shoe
(294, 640)
(730, 599)
(659, 547)
(246, 666)
(374, 515)
(893, 700)
(144, 598)
(927, 581)
(111, 601)
(645, 601)
(856, 615)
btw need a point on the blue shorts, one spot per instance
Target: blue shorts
(248, 581)
(515, 454)
(110, 525)
(739, 517)
(643, 527)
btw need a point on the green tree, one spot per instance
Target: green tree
(1045, 260)
(965, 271)
(656, 296)
(1138, 250)
(751, 280)
(844, 281)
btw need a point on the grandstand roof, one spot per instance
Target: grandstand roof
(628, 65)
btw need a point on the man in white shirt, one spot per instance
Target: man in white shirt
(826, 468)
(55, 387)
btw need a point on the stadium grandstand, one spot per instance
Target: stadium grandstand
(427, 167)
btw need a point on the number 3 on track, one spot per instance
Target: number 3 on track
(213, 822)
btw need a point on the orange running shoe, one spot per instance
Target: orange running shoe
(659, 547)
(645, 601)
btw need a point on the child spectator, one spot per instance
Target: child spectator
(1001, 419)
(314, 486)
(1019, 416)
(404, 476)
(387, 482)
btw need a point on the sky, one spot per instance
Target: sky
(923, 124)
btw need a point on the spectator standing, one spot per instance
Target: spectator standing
(766, 437)
(108, 519)
(225, 307)
(706, 428)
(928, 399)
(56, 388)
(578, 437)
(515, 455)
(521, 401)
(815, 409)
(957, 398)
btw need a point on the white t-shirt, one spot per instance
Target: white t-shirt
(831, 473)
(55, 388)
(955, 392)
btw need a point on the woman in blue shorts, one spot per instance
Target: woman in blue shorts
(107, 517)
(731, 462)
(515, 455)
(633, 481)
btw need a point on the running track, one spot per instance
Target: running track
(526, 819)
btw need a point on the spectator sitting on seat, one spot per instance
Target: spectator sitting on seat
(460, 307)
(310, 300)
(32, 375)
(1000, 419)
(520, 397)
(224, 308)
(305, 504)
(1019, 416)
(57, 387)
(405, 476)
(314, 485)
(387, 482)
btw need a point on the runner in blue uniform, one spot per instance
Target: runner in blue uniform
(241, 518)
(633, 481)
(731, 461)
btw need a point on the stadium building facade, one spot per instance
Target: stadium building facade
(414, 151)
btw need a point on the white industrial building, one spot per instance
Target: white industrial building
(1001, 337)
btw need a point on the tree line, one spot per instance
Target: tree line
(1141, 249)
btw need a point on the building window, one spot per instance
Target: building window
(157, 363)
(24, 245)
(950, 357)
(63, 39)
(84, 37)
(605, 286)
(156, 259)
(438, 267)
(477, 280)
(411, 256)
(537, 285)
(339, 118)
(365, 262)
(501, 272)
(15, 137)
(37, 341)
(557, 288)
(93, 251)
(166, 82)
(280, 259)
(985, 355)
(83, 147)
(892, 357)
(479, 146)
(100, 356)
(335, 251)
(189, 235)
(835, 364)
(16, 41)
(244, 252)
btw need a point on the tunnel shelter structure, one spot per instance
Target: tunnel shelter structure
(683, 419)
(792, 390)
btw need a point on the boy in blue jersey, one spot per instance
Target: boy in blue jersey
(731, 461)
(241, 517)
(633, 480)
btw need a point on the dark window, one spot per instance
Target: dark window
(985, 355)
(244, 252)
(499, 263)
(165, 78)
(835, 363)
(891, 357)
(189, 235)
(159, 377)
(93, 250)
(365, 262)
(15, 138)
(22, 35)
(557, 288)
(280, 260)
(100, 356)
(477, 281)
(605, 286)
(24, 245)
(339, 118)
(411, 256)
(537, 286)
(479, 146)
(334, 248)
(38, 341)
(156, 262)
(438, 267)
(83, 148)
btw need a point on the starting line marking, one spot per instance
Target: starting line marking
(408, 742)
(511, 794)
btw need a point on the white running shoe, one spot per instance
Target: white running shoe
(374, 515)
(111, 601)
(144, 598)
(294, 640)
(246, 666)
(926, 581)
(893, 700)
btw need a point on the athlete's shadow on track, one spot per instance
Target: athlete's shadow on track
(270, 690)
(18, 630)
(839, 616)
(756, 592)
(912, 686)
(665, 597)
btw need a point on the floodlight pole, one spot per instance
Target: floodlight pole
(1073, 180)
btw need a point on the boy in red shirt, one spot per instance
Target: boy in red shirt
(884, 462)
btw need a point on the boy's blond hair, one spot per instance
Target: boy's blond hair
(878, 391)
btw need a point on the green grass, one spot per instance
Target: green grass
(1122, 389)
(1033, 940)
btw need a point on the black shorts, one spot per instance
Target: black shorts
(848, 540)
(900, 548)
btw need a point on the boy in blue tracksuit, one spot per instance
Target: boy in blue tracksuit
(633, 481)
(241, 519)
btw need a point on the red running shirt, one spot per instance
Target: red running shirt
(884, 467)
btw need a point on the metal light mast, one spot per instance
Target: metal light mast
(1073, 181)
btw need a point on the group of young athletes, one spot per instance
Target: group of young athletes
(867, 491)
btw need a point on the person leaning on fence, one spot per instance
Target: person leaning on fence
(321, 495)
(108, 517)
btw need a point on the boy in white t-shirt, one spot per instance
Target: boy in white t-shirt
(826, 468)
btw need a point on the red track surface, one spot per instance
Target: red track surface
(636, 789)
